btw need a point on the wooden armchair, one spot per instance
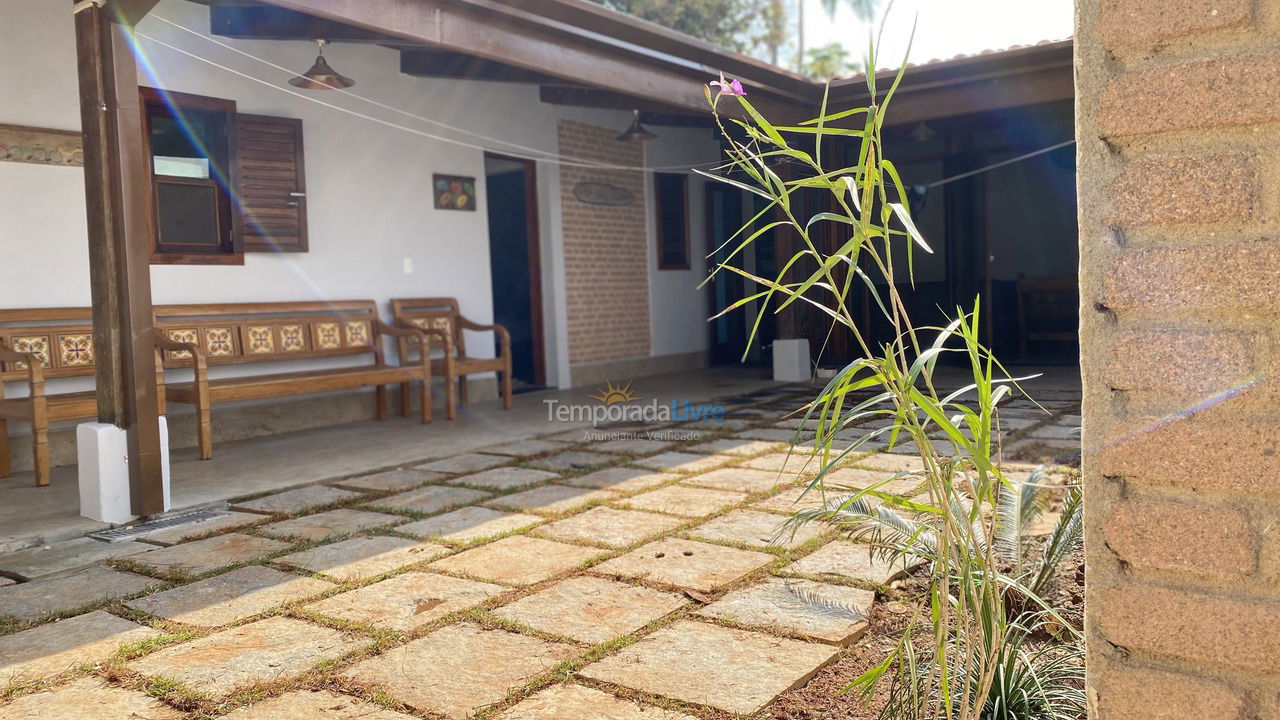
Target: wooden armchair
(1048, 310)
(441, 319)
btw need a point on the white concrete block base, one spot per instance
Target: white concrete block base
(791, 361)
(102, 450)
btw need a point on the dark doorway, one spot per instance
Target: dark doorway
(514, 264)
(724, 217)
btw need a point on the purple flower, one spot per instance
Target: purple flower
(728, 87)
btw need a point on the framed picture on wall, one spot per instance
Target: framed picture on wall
(454, 192)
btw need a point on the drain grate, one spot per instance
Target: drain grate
(150, 526)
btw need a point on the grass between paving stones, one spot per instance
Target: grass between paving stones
(380, 640)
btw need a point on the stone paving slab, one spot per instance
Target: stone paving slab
(363, 557)
(830, 613)
(890, 463)
(58, 646)
(93, 584)
(315, 705)
(621, 479)
(342, 521)
(740, 480)
(483, 666)
(733, 670)
(778, 435)
(572, 460)
(551, 499)
(794, 500)
(848, 480)
(233, 596)
(468, 463)
(684, 501)
(789, 464)
(468, 524)
(738, 446)
(296, 501)
(261, 651)
(685, 564)
(87, 699)
(1056, 432)
(578, 702)
(6, 581)
(907, 446)
(505, 478)
(430, 499)
(844, 560)
(407, 601)
(758, 529)
(517, 560)
(681, 462)
(67, 555)
(632, 446)
(610, 526)
(591, 609)
(723, 425)
(526, 448)
(391, 480)
(230, 520)
(203, 556)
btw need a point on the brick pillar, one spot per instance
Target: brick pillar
(1178, 121)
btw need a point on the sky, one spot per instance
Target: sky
(944, 28)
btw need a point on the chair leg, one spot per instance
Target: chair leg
(506, 387)
(40, 454)
(5, 469)
(382, 402)
(451, 397)
(204, 433)
(462, 390)
(406, 399)
(426, 401)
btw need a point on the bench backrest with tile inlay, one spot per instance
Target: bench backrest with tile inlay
(439, 314)
(61, 337)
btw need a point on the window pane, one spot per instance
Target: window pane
(188, 215)
(672, 248)
(182, 147)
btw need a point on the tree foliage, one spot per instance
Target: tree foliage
(747, 26)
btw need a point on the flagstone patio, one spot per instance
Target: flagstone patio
(544, 580)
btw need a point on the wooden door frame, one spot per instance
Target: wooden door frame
(533, 238)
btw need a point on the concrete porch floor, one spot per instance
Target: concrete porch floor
(31, 516)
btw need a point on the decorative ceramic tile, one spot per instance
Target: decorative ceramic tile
(34, 345)
(188, 335)
(357, 333)
(218, 342)
(261, 340)
(292, 338)
(327, 336)
(75, 350)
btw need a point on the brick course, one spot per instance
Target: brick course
(1156, 695)
(1144, 22)
(1186, 189)
(1192, 96)
(605, 250)
(1182, 537)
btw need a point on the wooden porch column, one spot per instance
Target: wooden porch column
(117, 191)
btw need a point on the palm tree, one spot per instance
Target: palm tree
(864, 10)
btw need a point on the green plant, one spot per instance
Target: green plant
(973, 636)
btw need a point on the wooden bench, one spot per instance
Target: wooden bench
(245, 333)
(41, 344)
(441, 319)
(1048, 310)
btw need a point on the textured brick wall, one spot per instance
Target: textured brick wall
(1178, 119)
(605, 250)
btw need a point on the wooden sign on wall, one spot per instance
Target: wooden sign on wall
(19, 143)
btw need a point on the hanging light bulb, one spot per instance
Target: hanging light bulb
(321, 76)
(637, 132)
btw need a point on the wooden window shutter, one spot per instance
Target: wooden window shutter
(271, 184)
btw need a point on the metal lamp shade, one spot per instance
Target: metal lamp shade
(321, 77)
(637, 132)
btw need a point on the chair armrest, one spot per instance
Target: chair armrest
(504, 336)
(164, 342)
(423, 334)
(35, 367)
(402, 331)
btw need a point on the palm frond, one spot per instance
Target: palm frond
(1066, 538)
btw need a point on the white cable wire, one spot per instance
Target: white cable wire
(536, 154)
(1000, 164)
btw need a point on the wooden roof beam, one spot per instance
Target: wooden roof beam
(460, 26)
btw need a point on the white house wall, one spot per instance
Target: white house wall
(368, 184)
